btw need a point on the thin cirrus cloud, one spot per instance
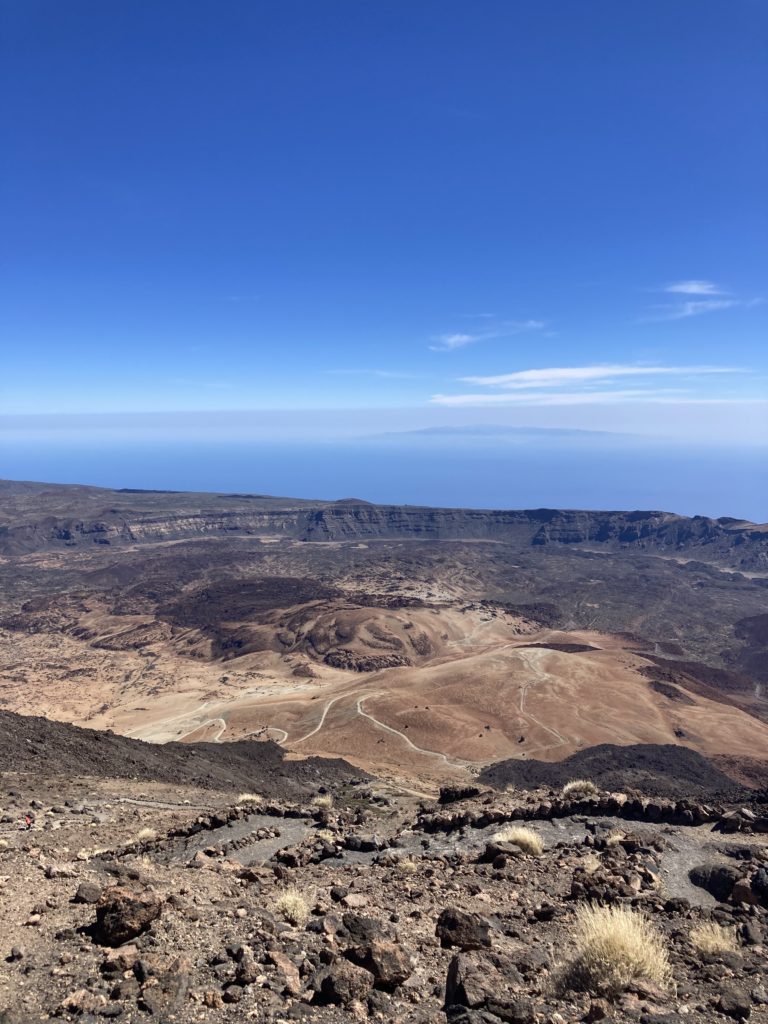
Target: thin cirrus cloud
(694, 288)
(504, 329)
(694, 298)
(587, 385)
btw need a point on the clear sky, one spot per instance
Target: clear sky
(521, 212)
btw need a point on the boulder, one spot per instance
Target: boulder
(717, 879)
(121, 915)
(487, 982)
(88, 892)
(735, 1002)
(387, 961)
(463, 929)
(343, 983)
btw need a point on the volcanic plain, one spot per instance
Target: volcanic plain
(421, 645)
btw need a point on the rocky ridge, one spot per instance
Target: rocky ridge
(40, 518)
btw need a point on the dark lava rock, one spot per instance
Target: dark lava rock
(362, 929)
(735, 1002)
(450, 794)
(121, 915)
(488, 983)
(88, 892)
(388, 962)
(717, 879)
(343, 982)
(465, 930)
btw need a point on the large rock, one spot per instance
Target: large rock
(387, 961)
(735, 1002)
(121, 915)
(717, 879)
(463, 929)
(343, 983)
(489, 983)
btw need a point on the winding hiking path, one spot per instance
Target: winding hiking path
(402, 736)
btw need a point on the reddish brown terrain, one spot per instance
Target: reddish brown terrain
(420, 644)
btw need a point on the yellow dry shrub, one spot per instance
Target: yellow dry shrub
(292, 906)
(616, 946)
(249, 798)
(519, 835)
(713, 938)
(579, 789)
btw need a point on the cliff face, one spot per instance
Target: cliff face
(55, 520)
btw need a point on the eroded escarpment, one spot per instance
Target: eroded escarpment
(40, 517)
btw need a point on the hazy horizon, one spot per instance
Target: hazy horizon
(457, 470)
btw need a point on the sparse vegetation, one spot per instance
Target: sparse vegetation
(615, 946)
(614, 837)
(713, 938)
(324, 801)
(249, 798)
(407, 866)
(519, 835)
(3, 844)
(146, 835)
(292, 907)
(579, 789)
(325, 834)
(590, 863)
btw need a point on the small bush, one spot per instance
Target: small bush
(326, 835)
(579, 789)
(292, 907)
(249, 798)
(591, 863)
(528, 840)
(713, 938)
(324, 801)
(407, 866)
(615, 946)
(146, 835)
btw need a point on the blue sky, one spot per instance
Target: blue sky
(528, 212)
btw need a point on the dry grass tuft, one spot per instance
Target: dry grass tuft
(324, 801)
(579, 789)
(591, 863)
(249, 798)
(146, 835)
(407, 866)
(519, 835)
(713, 938)
(326, 835)
(615, 947)
(292, 907)
(3, 844)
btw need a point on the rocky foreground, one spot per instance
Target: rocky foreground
(151, 902)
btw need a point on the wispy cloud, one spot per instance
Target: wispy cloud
(502, 329)
(451, 341)
(589, 385)
(557, 376)
(695, 307)
(560, 397)
(695, 297)
(694, 288)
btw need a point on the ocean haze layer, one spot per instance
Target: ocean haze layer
(456, 470)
